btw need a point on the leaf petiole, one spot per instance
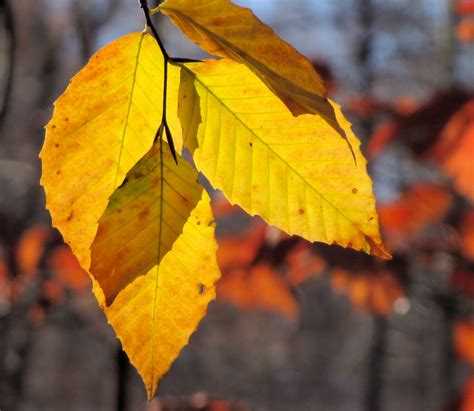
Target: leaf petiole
(164, 125)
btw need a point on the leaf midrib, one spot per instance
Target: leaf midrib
(134, 78)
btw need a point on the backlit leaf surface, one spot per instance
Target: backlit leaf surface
(155, 259)
(102, 125)
(227, 30)
(155, 314)
(144, 218)
(295, 172)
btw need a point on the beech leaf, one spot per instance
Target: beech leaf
(227, 30)
(105, 121)
(154, 258)
(294, 172)
(144, 218)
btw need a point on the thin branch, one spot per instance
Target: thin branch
(149, 23)
(164, 125)
(10, 29)
(122, 378)
(377, 364)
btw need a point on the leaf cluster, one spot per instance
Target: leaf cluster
(257, 123)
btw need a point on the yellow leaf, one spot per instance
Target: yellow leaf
(102, 125)
(162, 266)
(145, 216)
(227, 30)
(295, 172)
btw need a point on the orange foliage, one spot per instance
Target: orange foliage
(464, 7)
(36, 315)
(383, 135)
(455, 147)
(252, 286)
(340, 279)
(302, 264)
(372, 292)
(463, 282)
(53, 292)
(460, 166)
(466, 232)
(30, 249)
(260, 287)
(4, 281)
(465, 30)
(251, 282)
(468, 397)
(406, 106)
(67, 268)
(197, 402)
(422, 205)
(29, 254)
(464, 340)
(221, 206)
(240, 251)
(365, 106)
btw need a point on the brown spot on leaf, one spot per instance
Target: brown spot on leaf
(144, 214)
(56, 145)
(251, 144)
(212, 223)
(354, 191)
(301, 211)
(58, 173)
(202, 288)
(53, 126)
(71, 215)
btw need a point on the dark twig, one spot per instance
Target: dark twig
(168, 59)
(149, 23)
(10, 29)
(377, 352)
(122, 378)
(376, 364)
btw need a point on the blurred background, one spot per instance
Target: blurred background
(296, 326)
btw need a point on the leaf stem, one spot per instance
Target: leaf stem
(164, 125)
(149, 23)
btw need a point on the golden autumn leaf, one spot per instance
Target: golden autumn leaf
(142, 225)
(227, 30)
(295, 172)
(154, 315)
(105, 121)
(144, 218)
(102, 125)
